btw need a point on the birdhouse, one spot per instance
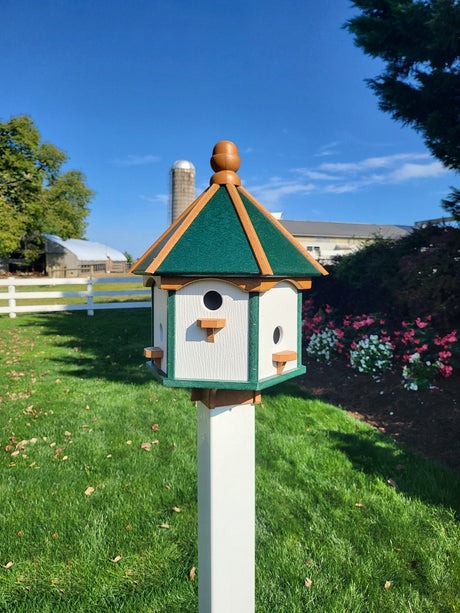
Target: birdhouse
(227, 281)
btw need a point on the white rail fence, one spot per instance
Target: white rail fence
(12, 295)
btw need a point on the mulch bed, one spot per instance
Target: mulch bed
(428, 421)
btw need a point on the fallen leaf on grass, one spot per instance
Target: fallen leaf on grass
(387, 584)
(192, 574)
(176, 509)
(308, 562)
(8, 564)
(15, 453)
(20, 533)
(57, 452)
(67, 433)
(116, 558)
(155, 427)
(168, 487)
(308, 582)
(129, 442)
(164, 526)
(89, 490)
(146, 446)
(358, 504)
(54, 536)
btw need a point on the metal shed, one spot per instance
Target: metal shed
(74, 257)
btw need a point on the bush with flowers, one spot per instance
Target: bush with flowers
(418, 374)
(371, 355)
(323, 345)
(370, 346)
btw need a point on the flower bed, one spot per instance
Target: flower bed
(368, 344)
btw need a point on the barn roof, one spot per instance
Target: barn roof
(227, 232)
(335, 229)
(87, 251)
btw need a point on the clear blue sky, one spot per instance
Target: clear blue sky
(127, 88)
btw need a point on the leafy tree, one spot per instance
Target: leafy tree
(419, 41)
(35, 195)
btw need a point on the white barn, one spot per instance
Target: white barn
(75, 257)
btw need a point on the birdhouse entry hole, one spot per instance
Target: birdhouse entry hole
(160, 333)
(277, 334)
(212, 300)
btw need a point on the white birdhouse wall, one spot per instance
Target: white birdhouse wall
(160, 323)
(277, 327)
(201, 351)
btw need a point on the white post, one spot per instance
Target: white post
(12, 297)
(226, 509)
(90, 301)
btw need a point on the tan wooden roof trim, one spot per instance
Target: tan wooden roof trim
(168, 229)
(283, 230)
(245, 283)
(248, 228)
(189, 216)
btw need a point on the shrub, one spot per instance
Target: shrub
(371, 355)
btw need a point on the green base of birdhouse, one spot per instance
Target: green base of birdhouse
(162, 378)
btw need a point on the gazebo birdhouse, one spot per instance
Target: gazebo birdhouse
(226, 281)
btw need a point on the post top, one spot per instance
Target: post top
(225, 162)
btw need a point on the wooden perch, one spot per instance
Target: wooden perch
(155, 354)
(281, 357)
(210, 325)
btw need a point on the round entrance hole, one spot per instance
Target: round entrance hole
(277, 334)
(212, 300)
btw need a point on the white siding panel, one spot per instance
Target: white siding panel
(278, 307)
(227, 358)
(160, 323)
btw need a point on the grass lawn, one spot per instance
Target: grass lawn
(372, 526)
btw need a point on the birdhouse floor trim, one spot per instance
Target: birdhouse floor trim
(167, 381)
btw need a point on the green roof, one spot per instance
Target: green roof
(226, 233)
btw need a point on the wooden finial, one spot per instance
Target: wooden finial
(225, 162)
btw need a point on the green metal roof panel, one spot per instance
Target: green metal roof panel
(215, 243)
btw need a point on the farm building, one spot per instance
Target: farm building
(328, 239)
(75, 257)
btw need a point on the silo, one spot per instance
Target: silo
(182, 188)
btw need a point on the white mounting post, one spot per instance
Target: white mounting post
(226, 509)
(90, 300)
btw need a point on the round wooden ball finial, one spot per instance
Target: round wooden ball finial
(225, 162)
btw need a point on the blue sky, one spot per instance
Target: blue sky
(127, 88)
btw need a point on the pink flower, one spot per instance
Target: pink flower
(445, 355)
(423, 347)
(420, 323)
(328, 309)
(340, 333)
(446, 370)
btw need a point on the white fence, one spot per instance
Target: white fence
(13, 295)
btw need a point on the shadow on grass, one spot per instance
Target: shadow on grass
(109, 345)
(374, 453)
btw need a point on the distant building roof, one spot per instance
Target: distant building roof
(87, 250)
(341, 230)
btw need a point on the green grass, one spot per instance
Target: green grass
(77, 386)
